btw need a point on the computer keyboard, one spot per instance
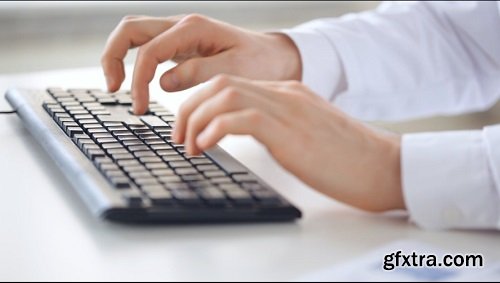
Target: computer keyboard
(127, 168)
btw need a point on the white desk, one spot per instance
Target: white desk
(48, 234)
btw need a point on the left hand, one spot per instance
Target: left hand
(325, 148)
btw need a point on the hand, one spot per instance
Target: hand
(310, 138)
(203, 47)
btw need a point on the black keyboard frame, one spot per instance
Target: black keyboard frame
(245, 197)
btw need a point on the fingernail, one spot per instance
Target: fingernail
(172, 81)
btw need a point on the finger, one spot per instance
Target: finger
(194, 71)
(192, 32)
(216, 85)
(131, 32)
(246, 122)
(228, 100)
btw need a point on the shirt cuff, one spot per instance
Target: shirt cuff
(447, 181)
(321, 65)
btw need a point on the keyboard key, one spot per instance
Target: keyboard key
(185, 171)
(146, 181)
(120, 156)
(200, 161)
(88, 146)
(170, 179)
(87, 121)
(92, 128)
(168, 152)
(153, 121)
(110, 174)
(163, 172)
(152, 142)
(221, 180)
(129, 140)
(207, 168)
(141, 174)
(134, 168)
(111, 145)
(140, 154)
(266, 197)
(152, 166)
(212, 195)
(125, 163)
(171, 158)
(133, 198)
(96, 131)
(240, 197)
(186, 197)
(92, 154)
(180, 164)
(80, 136)
(78, 112)
(153, 188)
(108, 166)
(243, 178)
(107, 101)
(82, 142)
(106, 140)
(150, 159)
(82, 117)
(213, 174)
(67, 125)
(161, 197)
(138, 148)
(72, 131)
(193, 177)
(96, 136)
(163, 146)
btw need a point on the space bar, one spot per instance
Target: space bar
(226, 161)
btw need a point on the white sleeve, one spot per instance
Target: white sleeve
(451, 179)
(405, 60)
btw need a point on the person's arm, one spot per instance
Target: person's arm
(405, 60)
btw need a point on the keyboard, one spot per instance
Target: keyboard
(126, 168)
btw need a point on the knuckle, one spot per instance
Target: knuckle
(128, 21)
(104, 59)
(221, 81)
(144, 51)
(296, 85)
(255, 117)
(194, 19)
(230, 95)
(220, 124)
(192, 67)
(128, 18)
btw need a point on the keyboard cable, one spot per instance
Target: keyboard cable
(8, 112)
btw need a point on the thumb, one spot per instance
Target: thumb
(194, 71)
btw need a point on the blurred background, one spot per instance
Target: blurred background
(52, 35)
(38, 36)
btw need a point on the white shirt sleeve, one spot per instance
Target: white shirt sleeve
(448, 179)
(411, 60)
(405, 60)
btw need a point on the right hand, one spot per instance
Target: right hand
(201, 46)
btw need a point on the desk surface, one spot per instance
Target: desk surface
(48, 234)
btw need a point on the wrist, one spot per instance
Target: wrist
(388, 180)
(288, 55)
